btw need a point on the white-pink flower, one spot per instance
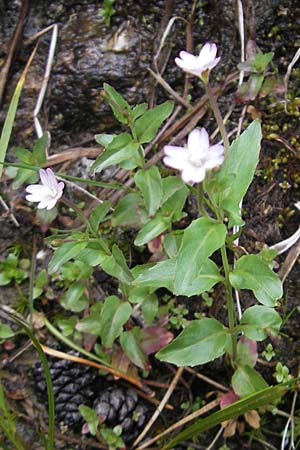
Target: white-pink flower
(196, 158)
(48, 192)
(196, 65)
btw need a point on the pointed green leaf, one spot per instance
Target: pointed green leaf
(146, 126)
(258, 322)
(39, 154)
(139, 110)
(155, 276)
(200, 342)
(173, 206)
(118, 104)
(122, 147)
(152, 229)
(126, 211)
(246, 381)
(114, 315)
(252, 272)
(208, 275)
(131, 344)
(115, 265)
(98, 214)
(236, 176)
(150, 184)
(200, 240)
(67, 251)
(74, 298)
(5, 331)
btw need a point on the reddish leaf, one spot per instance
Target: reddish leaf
(228, 398)
(154, 338)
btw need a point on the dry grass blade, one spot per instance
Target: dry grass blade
(182, 422)
(161, 406)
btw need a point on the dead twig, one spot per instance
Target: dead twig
(9, 212)
(160, 406)
(182, 422)
(13, 47)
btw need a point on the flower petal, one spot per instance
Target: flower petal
(208, 53)
(198, 143)
(52, 181)
(191, 174)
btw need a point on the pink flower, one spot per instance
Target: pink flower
(196, 158)
(48, 192)
(196, 65)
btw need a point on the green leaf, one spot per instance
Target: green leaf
(261, 60)
(11, 113)
(172, 243)
(147, 126)
(173, 206)
(68, 325)
(200, 240)
(121, 148)
(90, 416)
(114, 315)
(104, 139)
(39, 155)
(171, 185)
(258, 322)
(130, 343)
(139, 110)
(91, 323)
(150, 184)
(118, 104)
(74, 299)
(238, 408)
(235, 177)
(147, 300)
(155, 276)
(152, 229)
(98, 214)
(67, 251)
(126, 211)
(5, 331)
(115, 265)
(246, 381)
(200, 342)
(251, 272)
(207, 276)
(94, 253)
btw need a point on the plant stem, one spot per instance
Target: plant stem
(218, 117)
(200, 197)
(230, 306)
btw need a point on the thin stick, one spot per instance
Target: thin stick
(287, 77)
(206, 379)
(11, 215)
(211, 445)
(81, 189)
(39, 102)
(178, 424)
(13, 46)
(87, 362)
(168, 88)
(160, 406)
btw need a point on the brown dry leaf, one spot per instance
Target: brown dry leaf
(38, 320)
(229, 427)
(253, 419)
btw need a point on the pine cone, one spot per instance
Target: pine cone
(121, 406)
(72, 386)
